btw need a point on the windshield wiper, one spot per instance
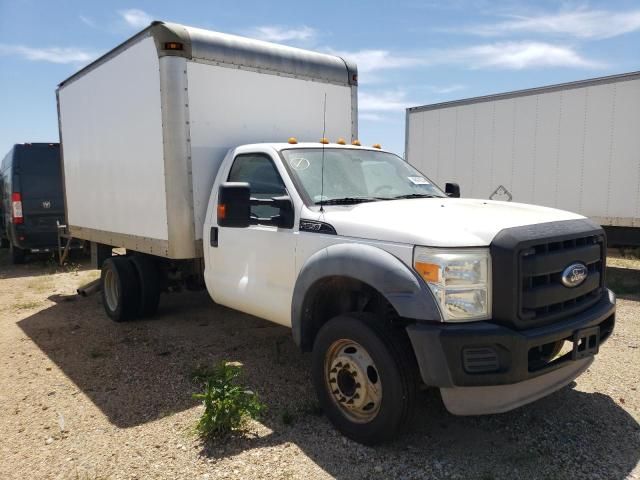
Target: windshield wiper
(415, 195)
(347, 201)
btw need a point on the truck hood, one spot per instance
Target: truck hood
(438, 222)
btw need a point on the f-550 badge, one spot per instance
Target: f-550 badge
(46, 204)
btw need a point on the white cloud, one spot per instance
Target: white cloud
(383, 101)
(499, 55)
(49, 54)
(87, 21)
(443, 90)
(374, 60)
(579, 23)
(517, 56)
(275, 33)
(372, 117)
(136, 18)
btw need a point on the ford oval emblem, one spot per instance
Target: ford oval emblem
(574, 275)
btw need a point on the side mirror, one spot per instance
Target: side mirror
(452, 190)
(286, 217)
(234, 205)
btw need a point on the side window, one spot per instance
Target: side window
(261, 174)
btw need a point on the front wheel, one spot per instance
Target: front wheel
(364, 375)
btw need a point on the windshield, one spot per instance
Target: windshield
(352, 175)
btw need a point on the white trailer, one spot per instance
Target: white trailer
(573, 146)
(146, 126)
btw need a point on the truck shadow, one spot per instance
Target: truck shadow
(141, 371)
(625, 282)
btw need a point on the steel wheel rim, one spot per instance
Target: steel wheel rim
(111, 290)
(353, 381)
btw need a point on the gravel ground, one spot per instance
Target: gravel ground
(84, 398)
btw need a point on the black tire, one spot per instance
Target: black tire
(120, 289)
(394, 367)
(17, 254)
(149, 278)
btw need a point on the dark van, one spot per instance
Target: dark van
(32, 199)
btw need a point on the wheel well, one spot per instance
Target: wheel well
(332, 296)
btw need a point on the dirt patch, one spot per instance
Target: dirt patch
(83, 397)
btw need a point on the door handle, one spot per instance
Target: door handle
(213, 237)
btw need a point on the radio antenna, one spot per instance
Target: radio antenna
(324, 131)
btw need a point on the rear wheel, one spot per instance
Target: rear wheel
(365, 377)
(120, 289)
(149, 278)
(17, 254)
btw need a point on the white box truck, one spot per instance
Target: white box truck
(389, 282)
(573, 146)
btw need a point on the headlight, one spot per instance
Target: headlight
(460, 279)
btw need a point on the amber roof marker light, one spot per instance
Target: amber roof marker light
(377, 145)
(173, 46)
(292, 140)
(356, 143)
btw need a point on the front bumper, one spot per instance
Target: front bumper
(512, 358)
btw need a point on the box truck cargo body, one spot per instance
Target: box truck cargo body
(573, 146)
(153, 119)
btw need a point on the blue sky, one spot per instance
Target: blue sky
(408, 52)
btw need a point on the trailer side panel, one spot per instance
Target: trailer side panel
(575, 147)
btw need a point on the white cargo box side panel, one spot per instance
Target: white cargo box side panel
(113, 151)
(230, 107)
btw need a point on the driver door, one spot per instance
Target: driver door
(253, 267)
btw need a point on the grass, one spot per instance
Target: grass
(27, 305)
(40, 284)
(228, 405)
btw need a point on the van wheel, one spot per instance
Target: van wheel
(149, 278)
(364, 374)
(120, 289)
(17, 254)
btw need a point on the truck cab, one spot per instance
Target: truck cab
(32, 199)
(390, 282)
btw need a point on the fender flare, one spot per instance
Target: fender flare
(379, 269)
